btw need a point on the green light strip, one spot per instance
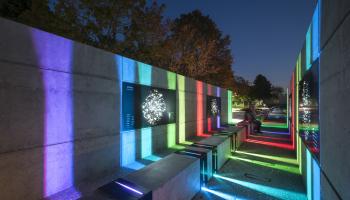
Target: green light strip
(281, 167)
(273, 125)
(275, 158)
(171, 135)
(182, 108)
(171, 76)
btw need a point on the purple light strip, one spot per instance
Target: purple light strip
(54, 58)
(277, 133)
(129, 188)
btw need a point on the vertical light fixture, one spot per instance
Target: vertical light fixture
(127, 68)
(308, 52)
(146, 142)
(56, 53)
(316, 33)
(229, 107)
(218, 116)
(182, 108)
(316, 180)
(308, 174)
(199, 102)
(171, 128)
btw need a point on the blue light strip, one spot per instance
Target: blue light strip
(316, 33)
(308, 49)
(316, 180)
(129, 188)
(308, 174)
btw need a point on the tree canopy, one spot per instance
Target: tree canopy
(191, 44)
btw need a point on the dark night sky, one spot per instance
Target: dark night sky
(266, 35)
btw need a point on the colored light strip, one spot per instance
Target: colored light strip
(219, 194)
(273, 125)
(286, 168)
(171, 135)
(316, 180)
(316, 33)
(271, 191)
(129, 188)
(308, 174)
(146, 142)
(145, 73)
(55, 52)
(308, 49)
(276, 133)
(182, 108)
(283, 146)
(199, 102)
(275, 158)
(218, 116)
(229, 107)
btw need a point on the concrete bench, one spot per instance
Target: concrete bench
(237, 135)
(173, 177)
(206, 157)
(220, 146)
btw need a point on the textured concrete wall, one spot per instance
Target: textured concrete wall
(60, 111)
(335, 98)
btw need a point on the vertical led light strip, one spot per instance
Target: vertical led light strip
(127, 138)
(145, 78)
(199, 102)
(316, 33)
(229, 107)
(287, 96)
(218, 117)
(182, 108)
(308, 55)
(209, 121)
(308, 174)
(171, 131)
(56, 52)
(146, 142)
(316, 174)
(145, 73)
(171, 128)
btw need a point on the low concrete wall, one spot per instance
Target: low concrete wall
(60, 105)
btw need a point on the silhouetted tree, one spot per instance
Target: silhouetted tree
(261, 88)
(199, 50)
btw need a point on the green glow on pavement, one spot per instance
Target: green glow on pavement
(290, 169)
(275, 158)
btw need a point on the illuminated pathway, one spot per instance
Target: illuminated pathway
(258, 171)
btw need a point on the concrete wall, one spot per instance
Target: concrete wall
(335, 98)
(331, 177)
(60, 105)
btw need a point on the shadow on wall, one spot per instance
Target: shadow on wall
(22, 118)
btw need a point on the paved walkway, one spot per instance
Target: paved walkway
(258, 172)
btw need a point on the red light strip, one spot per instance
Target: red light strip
(274, 144)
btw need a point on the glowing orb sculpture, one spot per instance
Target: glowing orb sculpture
(153, 107)
(214, 107)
